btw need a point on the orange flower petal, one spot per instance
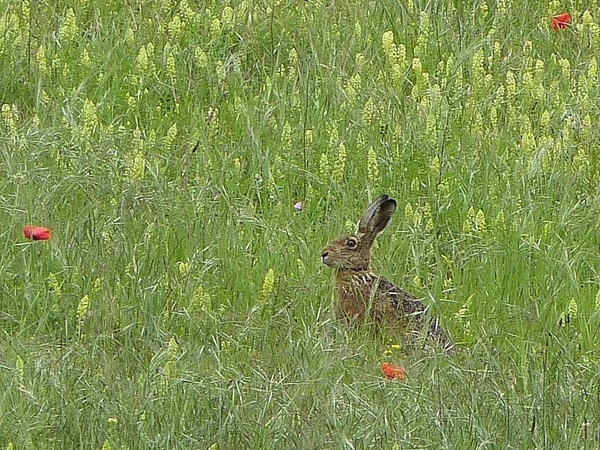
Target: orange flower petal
(391, 371)
(37, 233)
(561, 21)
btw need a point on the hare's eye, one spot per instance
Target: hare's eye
(351, 243)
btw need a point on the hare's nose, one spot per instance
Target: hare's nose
(324, 256)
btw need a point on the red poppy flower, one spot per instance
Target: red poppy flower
(392, 371)
(561, 21)
(37, 233)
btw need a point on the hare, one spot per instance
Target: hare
(365, 296)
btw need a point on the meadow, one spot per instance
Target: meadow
(192, 159)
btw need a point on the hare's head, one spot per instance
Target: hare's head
(353, 251)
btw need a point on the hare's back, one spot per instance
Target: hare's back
(402, 301)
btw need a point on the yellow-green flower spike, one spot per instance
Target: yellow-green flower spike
(19, 370)
(268, 285)
(372, 167)
(227, 17)
(69, 29)
(42, 62)
(82, 312)
(368, 111)
(408, 213)
(324, 170)
(200, 58)
(572, 309)
(480, 225)
(183, 268)
(201, 300)
(173, 349)
(340, 164)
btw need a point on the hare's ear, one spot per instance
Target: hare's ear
(377, 216)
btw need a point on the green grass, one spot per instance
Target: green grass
(485, 130)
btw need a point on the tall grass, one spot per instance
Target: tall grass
(181, 302)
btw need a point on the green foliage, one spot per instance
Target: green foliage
(181, 302)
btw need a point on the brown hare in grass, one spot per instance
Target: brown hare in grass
(364, 296)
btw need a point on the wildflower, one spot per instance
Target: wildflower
(423, 37)
(572, 308)
(387, 41)
(469, 221)
(268, 284)
(173, 349)
(85, 58)
(372, 167)
(82, 311)
(417, 218)
(227, 17)
(286, 136)
(170, 67)
(137, 166)
(83, 308)
(201, 300)
(200, 58)
(212, 120)
(561, 21)
(10, 117)
(500, 220)
(391, 349)
(174, 26)
(69, 29)
(359, 59)
(142, 63)
(53, 284)
(511, 87)
(131, 103)
(545, 119)
(293, 57)
(463, 315)
(215, 28)
(97, 284)
(324, 165)
(183, 267)
(480, 221)
(20, 370)
(129, 36)
(298, 206)
(428, 216)
(349, 227)
(369, 111)
(391, 371)
(309, 137)
(42, 61)
(340, 164)
(434, 167)
(89, 117)
(417, 282)
(408, 212)
(37, 233)
(171, 135)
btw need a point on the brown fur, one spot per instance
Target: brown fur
(363, 296)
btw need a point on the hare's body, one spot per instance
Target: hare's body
(363, 296)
